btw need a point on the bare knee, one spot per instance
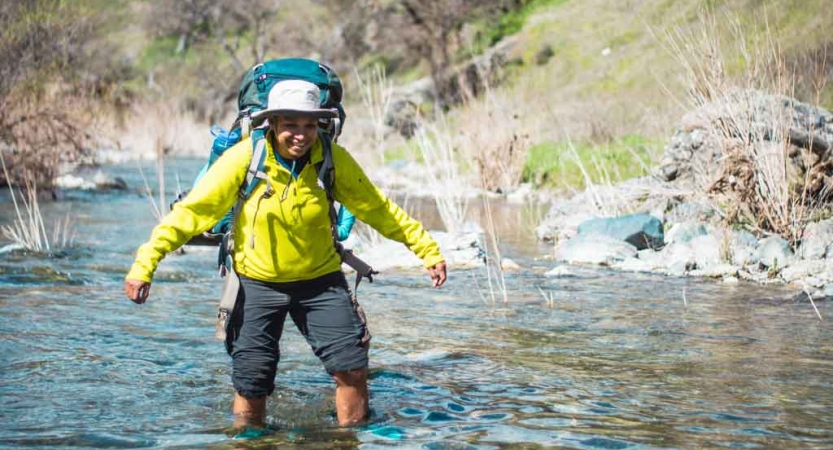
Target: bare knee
(351, 397)
(351, 378)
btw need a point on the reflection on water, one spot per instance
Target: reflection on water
(619, 361)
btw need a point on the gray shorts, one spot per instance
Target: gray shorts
(323, 309)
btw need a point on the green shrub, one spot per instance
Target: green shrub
(556, 165)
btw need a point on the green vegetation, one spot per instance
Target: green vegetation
(559, 164)
(489, 33)
(408, 151)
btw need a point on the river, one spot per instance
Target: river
(616, 361)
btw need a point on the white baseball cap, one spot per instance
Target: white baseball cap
(295, 98)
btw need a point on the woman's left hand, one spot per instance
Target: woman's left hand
(438, 274)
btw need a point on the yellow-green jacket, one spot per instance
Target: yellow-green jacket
(287, 236)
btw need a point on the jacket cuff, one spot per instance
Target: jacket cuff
(137, 272)
(432, 259)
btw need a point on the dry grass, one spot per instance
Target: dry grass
(156, 208)
(28, 229)
(495, 141)
(755, 156)
(150, 126)
(549, 297)
(376, 92)
(813, 303)
(495, 275)
(436, 143)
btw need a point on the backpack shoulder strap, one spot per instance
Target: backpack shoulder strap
(255, 172)
(326, 172)
(257, 166)
(326, 178)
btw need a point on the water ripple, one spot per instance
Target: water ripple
(618, 362)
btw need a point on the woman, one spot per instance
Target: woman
(284, 253)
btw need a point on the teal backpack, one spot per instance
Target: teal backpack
(252, 97)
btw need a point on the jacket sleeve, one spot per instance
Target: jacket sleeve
(355, 191)
(207, 203)
(344, 223)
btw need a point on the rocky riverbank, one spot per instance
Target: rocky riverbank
(704, 211)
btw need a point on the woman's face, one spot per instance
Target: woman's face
(294, 135)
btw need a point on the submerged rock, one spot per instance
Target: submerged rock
(634, 265)
(97, 181)
(724, 271)
(507, 264)
(559, 271)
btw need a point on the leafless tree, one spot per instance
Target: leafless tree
(42, 122)
(407, 32)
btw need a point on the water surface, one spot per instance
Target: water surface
(618, 361)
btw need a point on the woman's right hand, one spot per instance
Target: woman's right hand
(137, 290)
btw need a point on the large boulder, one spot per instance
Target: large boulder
(742, 249)
(802, 270)
(685, 232)
(640, 230)
(692, 210)
(678, 258)
(817, 237)
(706, 251)
(565, 215)
(697, 151)
(595, 249)
(774, 252)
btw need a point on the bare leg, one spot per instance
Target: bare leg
(351, 396)
(248, 411)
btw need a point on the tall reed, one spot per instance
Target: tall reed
(376, 91)
(436, 144)
(495, 275)
(156, 208)
(28, 228)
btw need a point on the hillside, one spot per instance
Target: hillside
(614, 87)
(591, 80)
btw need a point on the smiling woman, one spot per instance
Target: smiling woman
(284, 254)
(294, 135)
